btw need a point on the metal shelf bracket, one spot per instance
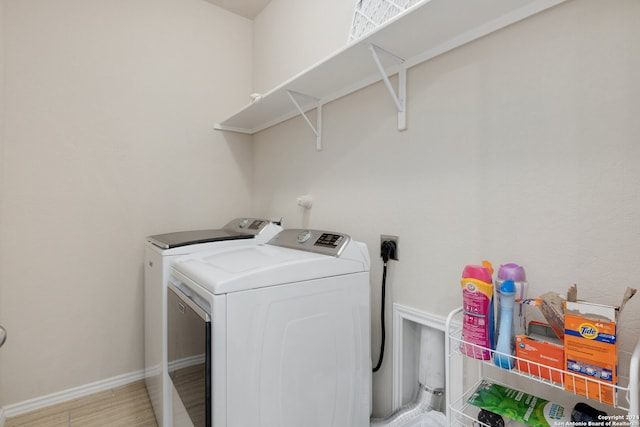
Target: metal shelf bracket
(317, 129)
(400, 99)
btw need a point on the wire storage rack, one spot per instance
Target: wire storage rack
(465, 373)
(369, 14)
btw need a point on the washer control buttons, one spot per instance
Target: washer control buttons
(329, 240)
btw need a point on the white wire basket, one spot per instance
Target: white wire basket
(369, 14)
(465, 373)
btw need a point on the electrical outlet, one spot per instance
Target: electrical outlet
(394, 239)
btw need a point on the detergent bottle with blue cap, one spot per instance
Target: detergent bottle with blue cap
(516, 273)
(504, 348)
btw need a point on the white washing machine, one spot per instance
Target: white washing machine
(272, 335)
(160, 250)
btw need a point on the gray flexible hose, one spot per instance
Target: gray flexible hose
(427, 400)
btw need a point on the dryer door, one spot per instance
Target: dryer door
(189, 356)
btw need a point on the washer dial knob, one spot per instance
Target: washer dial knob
(304, 236)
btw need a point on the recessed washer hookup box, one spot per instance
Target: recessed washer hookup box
(591, 347)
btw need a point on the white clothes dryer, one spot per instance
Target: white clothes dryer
(160, 250)
(273, 335)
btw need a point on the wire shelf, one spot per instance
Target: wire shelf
(460, 354)
(369, 14)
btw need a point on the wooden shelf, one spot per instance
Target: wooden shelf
(429, 29)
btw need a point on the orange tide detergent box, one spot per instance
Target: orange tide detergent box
(544, 349)
(591, 347)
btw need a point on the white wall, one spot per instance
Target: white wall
(2, 28)
(522, 147)
(108, 138)
(291, 35)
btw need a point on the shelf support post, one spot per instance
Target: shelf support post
(317, 129)
(399, 99)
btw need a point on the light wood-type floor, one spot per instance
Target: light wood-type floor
(125, 406)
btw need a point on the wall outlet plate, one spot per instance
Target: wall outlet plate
(384, 237)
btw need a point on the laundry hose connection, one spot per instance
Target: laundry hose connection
(387, 251)
(427, 400)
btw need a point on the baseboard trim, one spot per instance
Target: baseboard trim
(20, 408)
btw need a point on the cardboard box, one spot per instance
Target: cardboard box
(543, 349)
(551, 306)
(591, 347)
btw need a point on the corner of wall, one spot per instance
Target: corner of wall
(320, 29)
(2, 27)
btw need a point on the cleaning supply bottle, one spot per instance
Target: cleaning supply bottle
(477, 301)
(516, 273)
(504, 347)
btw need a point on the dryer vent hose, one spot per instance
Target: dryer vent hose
(428, 400)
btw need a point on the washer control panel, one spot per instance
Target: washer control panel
(319, 241)
(247, 225)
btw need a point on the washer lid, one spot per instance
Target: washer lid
(183, 238)
(239, 228)
(237, 269)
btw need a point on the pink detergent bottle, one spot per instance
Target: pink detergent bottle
(477, 304)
